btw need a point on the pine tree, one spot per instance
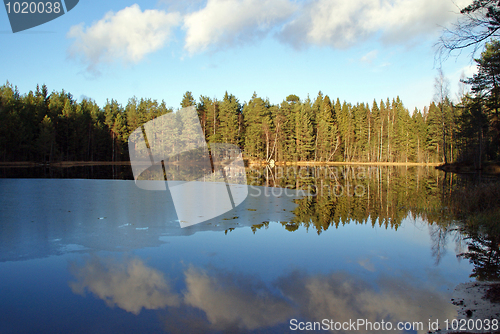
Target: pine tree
(208, 112)
(482, 117)
(187, 100)
(304, 131)
(345, 122)
(257, 127)
(285, 124)
(418, 130)
(360, 115)
(326, 135)
(46, 140)
(434, 133)
(229, 114)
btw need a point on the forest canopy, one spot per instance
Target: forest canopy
(44, 127)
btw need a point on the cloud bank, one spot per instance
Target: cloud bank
(130, 34)
(332, 23)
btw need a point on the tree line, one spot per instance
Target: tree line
(44, 127)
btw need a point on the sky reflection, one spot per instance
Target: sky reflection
(245, 302)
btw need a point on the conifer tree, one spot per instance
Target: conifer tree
(304, 131)
(434, 133)
(187, 100)
(326, 137)
(257, 120)
(360, 129)
(285, 124)
(229, 113)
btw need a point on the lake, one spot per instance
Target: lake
(361, 245)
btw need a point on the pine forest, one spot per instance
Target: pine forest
(48, 127)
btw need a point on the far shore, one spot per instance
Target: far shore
(339, 163)
(248, 162)
(62, 163)
(489, 167)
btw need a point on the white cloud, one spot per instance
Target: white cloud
(129, 35)
(341, 24)
(225, 22)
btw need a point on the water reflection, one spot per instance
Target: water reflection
(377, 195)
(383, 250)
(230, 300)
(342, 296)
(483, 252)
(215, 299)
(46, 217)
(384, 197)
(129, 284)
(62, 215)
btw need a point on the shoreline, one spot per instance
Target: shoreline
(339, 163)
(488, 167)
(27, 164)
(248, 162)
(475, 301)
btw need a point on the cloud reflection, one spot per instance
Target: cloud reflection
(130, 285)
(342, 297)
(215, 300)
(235, 301)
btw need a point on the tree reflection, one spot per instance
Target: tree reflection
(476, 206)
(377, 195)
(384, 196)
(483, 252)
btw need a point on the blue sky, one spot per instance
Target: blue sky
(356, 50)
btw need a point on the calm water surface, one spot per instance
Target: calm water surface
(103, 256)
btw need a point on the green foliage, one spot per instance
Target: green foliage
(285, 133)
(326, 135)
(258, 127)
(40, 126)
(304, 131)
(187, 100)
(229, 117)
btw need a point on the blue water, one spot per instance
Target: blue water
(96, 256)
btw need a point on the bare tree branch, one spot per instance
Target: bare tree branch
(480, 22)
